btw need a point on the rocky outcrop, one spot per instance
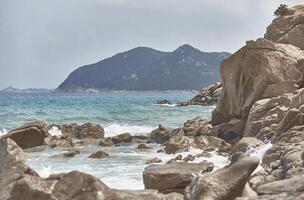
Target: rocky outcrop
(197, 126)
(99, 154)
(261, 69)
(245, 144)
(160, 135)
(173, 177)
(87, 130)
(288, 28)
(163, 101)
(122, 138)
(12, 166)
(224, 184)
(29, 135)
(208, 96)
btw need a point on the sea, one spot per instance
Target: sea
(117, 112)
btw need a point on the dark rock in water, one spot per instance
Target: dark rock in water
(163, 101)
(61, 142)
(146, 69)
(29, 135)
(143, 146)
(12, 166)
(160, 135)
(71, 153)
(106, 142)
(122, 138)
(153, 160)
(208, 96)
(160, 151)
(225, 183)
(87, 130)
(99, 154)
(189, 158)
(173, 177)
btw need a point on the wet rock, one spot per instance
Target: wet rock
(106, 142)
(189, 158)
(160, 135)
(12, 166)
(225, 183)
(236, 157)
(173, 177)
(71, 153)
(163, 101)
(29, 135)
(99, 154)
(153, 160)
(160, 151)
(140, 139)
(122, 138)
(143, 146)
(245, 144)
(61, 142)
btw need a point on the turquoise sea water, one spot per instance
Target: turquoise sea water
(114, 110)
(133, 112)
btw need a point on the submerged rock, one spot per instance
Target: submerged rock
(224, 184)
(122, 138)
(153, 160)
(29, 135)
(99, 154)
(163, 101)
(143, 146)
(173, 177)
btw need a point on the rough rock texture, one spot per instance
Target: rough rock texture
(33, 188)
(99, 154)
(208, 96)
(245, 144)
(78, 186)
(223, 184)
(106, 142)
(261, 69)
(12, 166)
(29, 135)
(197, 126)
(173, 176)
(160, 135)
(289, 28)
(122, 138)
(87, 130)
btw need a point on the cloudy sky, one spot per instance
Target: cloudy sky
(42, 41)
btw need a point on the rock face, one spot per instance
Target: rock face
(99, 154)
(208, 96)
(223, 184)
(12, 166)
(173, 177)
(29, 135)
(261, 69)
(289, 28)
(160, 135)
(87, 130)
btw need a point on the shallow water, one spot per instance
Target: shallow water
(133, 112)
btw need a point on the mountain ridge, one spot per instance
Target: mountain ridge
(147, 69)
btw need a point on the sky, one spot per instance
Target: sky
(42, 41)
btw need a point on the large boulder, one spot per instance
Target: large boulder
(12, 166)
(173, 177)
(224, 184)
(288, 28)
(29, 135)
(87, 130)
(122, 138)
(261, 69)
(78, 186)
(160, 135)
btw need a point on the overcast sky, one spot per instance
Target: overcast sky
(42, 41)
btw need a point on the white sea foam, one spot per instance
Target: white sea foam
(259, 152)
(169, 105)
(55, 131)
(115, 129)
(3, 131)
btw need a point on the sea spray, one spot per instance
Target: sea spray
(115, 129)
(55, 131)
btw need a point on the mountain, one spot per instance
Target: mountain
(146, 69)
(29, 90)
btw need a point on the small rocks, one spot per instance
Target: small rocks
(99, 154)
(153, 160)
(122, 138)
(143, 146)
